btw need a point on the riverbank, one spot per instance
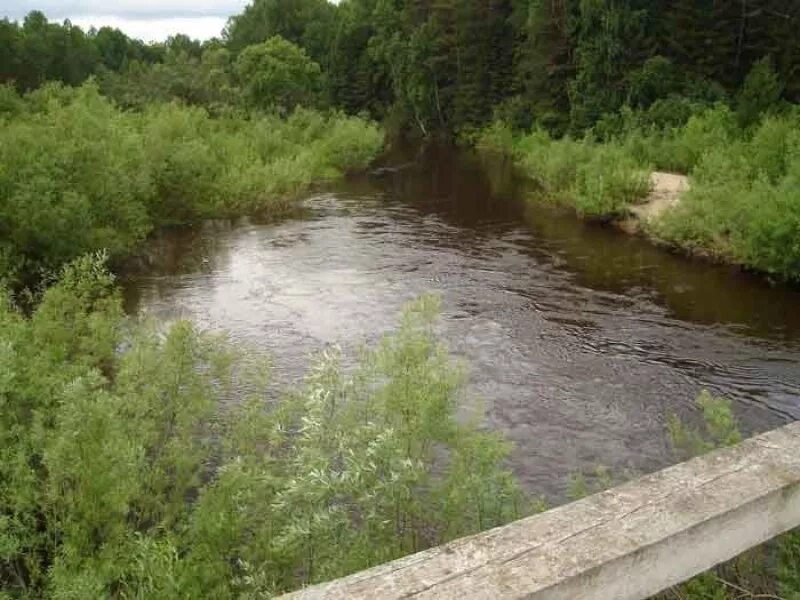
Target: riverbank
(743, 206)
(665, 194)
(78, 174)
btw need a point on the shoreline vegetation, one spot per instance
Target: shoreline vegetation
(742, 202)
(123, 471)
(78, 174)
(138, 461)
(143, 462)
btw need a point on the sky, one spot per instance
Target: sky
(149, 20)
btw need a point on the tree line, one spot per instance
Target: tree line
(439, 65)
(36, 51)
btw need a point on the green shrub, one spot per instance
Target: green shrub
(122, 474)
(597, 179)
(496, 137)
(184, 162)
(348, 145)
(773, 147)
(10, 102)
(553, 163)
(743, 204)
(719, 428)
(278, 74)
(713, 128)
(768, 237)
(761, 91)
(71, 180)
(656, 79)
(675, 141)
(671, 112)
(77, 174)
(695, 223)
(609, 182)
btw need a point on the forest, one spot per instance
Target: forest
(125, 468)
(450, 65)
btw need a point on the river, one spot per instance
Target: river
(579, 339)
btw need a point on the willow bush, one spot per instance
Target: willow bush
(77, 174)
(142, 463)
(744, 204)
(598, 180)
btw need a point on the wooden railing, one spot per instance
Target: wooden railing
(627, 543)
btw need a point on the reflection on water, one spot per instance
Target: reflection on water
(580, 339)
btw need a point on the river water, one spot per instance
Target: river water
(579, 339)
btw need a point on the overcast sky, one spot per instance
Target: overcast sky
(150, 20)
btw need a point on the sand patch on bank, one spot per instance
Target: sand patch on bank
(665, 193)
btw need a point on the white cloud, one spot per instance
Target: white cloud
(157, 30)
(149, 20)
(130, 9)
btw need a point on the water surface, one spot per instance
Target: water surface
(581, 340)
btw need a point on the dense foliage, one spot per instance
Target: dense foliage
(743, 205)
(599, 180)
(121, 472)
(452, 64)
(36, 51)
(77, 174)
(279, 74)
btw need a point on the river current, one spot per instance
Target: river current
(579, 340)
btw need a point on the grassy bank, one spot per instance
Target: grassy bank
(77, 174)
(744, 202)
(598, 180)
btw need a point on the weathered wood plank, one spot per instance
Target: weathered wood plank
(626, 543)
